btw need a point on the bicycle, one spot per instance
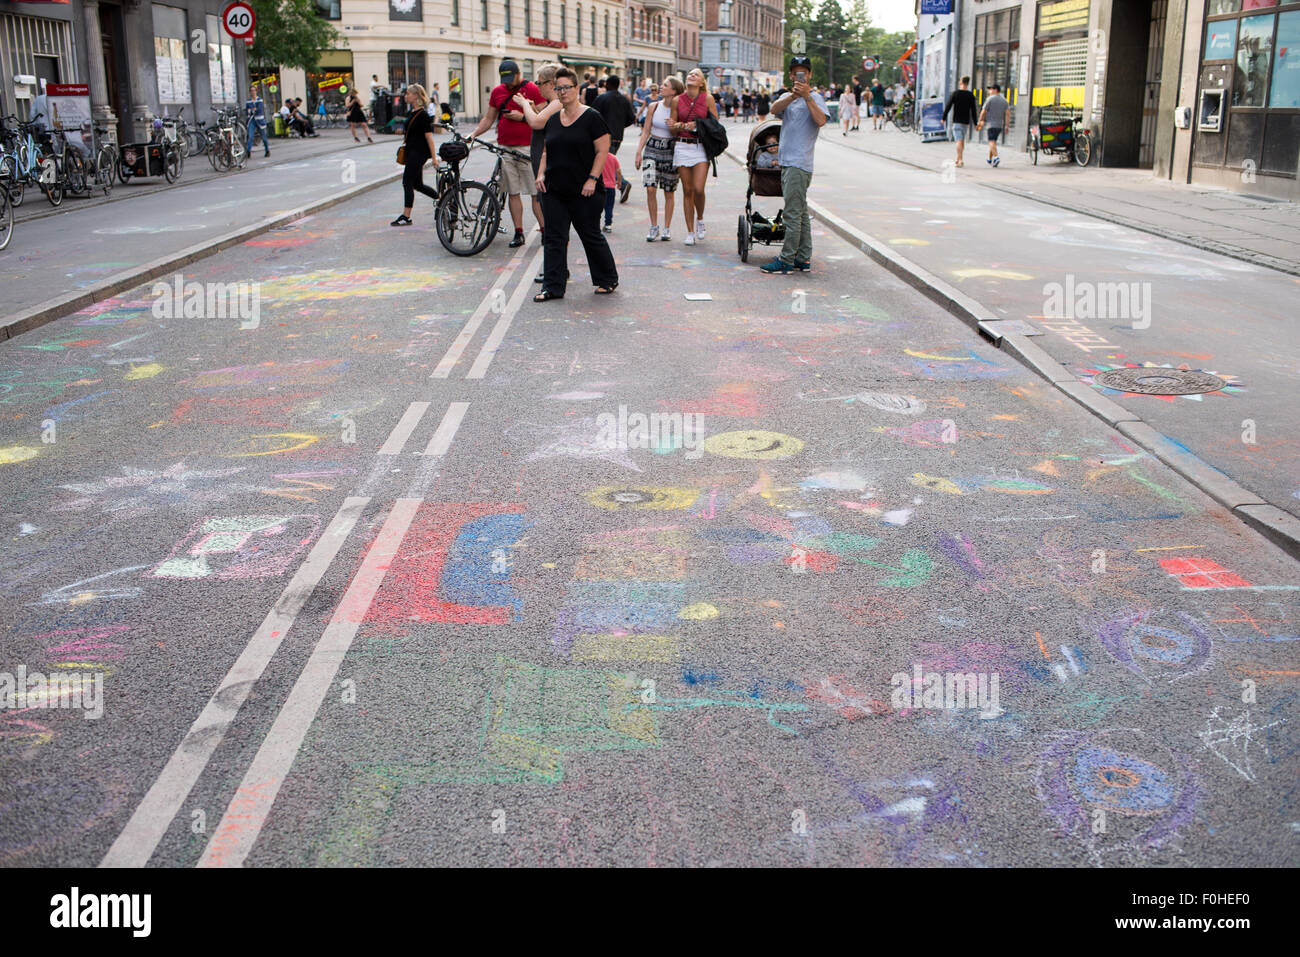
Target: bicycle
(1068, 138)
(21, 163)
(468, 213)
(65, 169)
(166, 135)
(106, 157)
(901, 116)
(226, 147)
(6, 218)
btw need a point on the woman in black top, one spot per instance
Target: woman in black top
(357, 117)
(569, 181)
(419, 150)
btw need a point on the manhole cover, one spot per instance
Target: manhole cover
(1160, 381)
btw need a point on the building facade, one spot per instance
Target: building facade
(689, 13)
(456, 46)
(139, 60)
(651, 39)
(741, 42)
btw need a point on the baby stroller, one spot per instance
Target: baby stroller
(754, 227)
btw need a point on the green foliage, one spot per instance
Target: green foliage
(290, 33)
(850, 31)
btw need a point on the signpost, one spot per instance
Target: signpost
(239, 20)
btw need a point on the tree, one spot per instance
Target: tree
(290, 33)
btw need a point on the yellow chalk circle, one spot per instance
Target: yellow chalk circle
(17, 453)
(935, 483)
(753, 444)
(700, 611)
(641, 497)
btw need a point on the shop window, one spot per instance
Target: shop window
(455, 81)
(170, 57)
(221, 64)
(1286, 66)
(1254, 53)
(1259, 4)
(1245, 137)
(1219, 7)
(1220, 39)
(1281, 143)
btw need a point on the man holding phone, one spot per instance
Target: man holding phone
(513, 130)
(803, 114)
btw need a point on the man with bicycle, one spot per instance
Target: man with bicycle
(513, 131)
(256, 109)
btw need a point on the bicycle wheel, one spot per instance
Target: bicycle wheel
(52, 181)
(183, 144)
(104, 170)
(467, 218)
(172, 164)
(14, 185)
(238, 154)
(77, 179)
(1082, 148)
(6, 218)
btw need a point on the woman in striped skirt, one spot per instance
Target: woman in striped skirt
(654, 156)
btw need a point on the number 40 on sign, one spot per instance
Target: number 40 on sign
(239, 20)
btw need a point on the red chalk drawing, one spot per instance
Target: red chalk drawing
(1202, 573)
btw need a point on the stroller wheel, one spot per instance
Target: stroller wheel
(743, 238)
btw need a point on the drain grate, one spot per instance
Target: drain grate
(1160, 381)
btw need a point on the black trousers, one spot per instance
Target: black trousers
(413, 179)
(583, 214)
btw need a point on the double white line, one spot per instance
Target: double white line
(244, 817)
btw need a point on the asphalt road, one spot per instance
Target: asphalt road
(374, 580)
(1106, 297)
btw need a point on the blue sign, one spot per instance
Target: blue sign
(936, 6)
(932, 125)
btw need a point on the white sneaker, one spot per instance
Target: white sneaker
(690, 239)
(665, 235)
(652, 235)
(699, 229)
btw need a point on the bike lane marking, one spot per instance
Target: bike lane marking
(154, 814)
(498, 333)
(462, 341)
(402, 430)
(447, 428)
(248, 809)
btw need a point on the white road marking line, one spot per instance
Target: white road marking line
(462, 341)
(251, 804)
(446, 431)
(138, 840)
(498, 333)
(403, 429)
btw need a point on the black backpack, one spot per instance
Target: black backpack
(712, 136)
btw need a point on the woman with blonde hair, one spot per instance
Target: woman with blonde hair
(693, 104)
(536, 120)
(419, 149)
(656, 145)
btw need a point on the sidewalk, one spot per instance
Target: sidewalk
(197, 170)
(1257, 230)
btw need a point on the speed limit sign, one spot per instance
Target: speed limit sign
(719, 72)
(239, 19)
(869, 63)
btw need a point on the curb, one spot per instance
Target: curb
(1232, 252)
(94, 202)
(52, 309)
(1281, 528)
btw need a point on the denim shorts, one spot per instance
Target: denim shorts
(960, 131)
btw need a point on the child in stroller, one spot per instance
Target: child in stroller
(764, 171)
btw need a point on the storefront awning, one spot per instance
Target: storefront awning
(585, 61)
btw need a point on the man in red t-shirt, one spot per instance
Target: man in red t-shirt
(512, 130)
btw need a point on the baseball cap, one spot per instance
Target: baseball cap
(800, 61)
(509, 68)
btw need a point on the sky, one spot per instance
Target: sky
(893, 15)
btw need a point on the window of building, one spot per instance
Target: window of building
(505, 22)
(724, 50)
(455, 81)
(406, 67)
(1286, 67)
(528, 18)
(593, 26)
(1220, 39)
(403, 10)
(455, 13)
(1254, 54)
(221, 64)
(169, 52)
(997, 54)
(564, 24)
(483, 14)
(546, 19)
(328, 9)
(577, 20)
(606, 29)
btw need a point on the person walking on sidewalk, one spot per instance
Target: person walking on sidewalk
(877, 105)
(512, 130)
(689, 156)
(994, 113)
(255, 109)
(963, 107)
(617, 112)
(419, 149)
(848, 110)
(610, 178)
(803, 114)
(357, 117)
(569, 180)
(659, 171)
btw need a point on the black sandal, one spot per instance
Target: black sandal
(605, 290)
(545, 296)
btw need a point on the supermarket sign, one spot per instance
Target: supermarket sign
(68, 104)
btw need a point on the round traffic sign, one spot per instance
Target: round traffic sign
(719, 72)
(239, 19)
(869, 63)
